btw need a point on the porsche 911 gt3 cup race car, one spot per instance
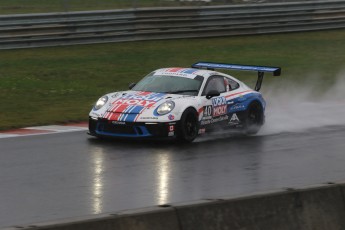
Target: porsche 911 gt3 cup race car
(182, 103)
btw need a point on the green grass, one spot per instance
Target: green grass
(60, 84)
(44, 6)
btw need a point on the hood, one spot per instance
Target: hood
(129, 105)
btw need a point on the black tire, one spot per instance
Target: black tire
(254, 118)
(92, 127)
(189, 126)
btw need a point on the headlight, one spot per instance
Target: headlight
(101, 102)
(165, 108)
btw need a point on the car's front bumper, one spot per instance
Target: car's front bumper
(104, 127)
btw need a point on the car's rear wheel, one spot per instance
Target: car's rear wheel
(254, 118)
(188, 128)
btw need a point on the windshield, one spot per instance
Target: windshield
(170, 84)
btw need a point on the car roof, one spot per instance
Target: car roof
(184, 72)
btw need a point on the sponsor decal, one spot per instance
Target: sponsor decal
(171, 117)
(219, 110)
(149, 118)
(149, 96)
(118, 122)
(219, 106)
(214, 120)
(180, 72)
(217, 101)
(242, 98)
(174, 70)
(234, 120)
(145, 99)
(237, 107)
(143, 103)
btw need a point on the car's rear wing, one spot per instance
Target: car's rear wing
(260, 69)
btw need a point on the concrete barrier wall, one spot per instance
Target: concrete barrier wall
(315, 208)
(155, 218)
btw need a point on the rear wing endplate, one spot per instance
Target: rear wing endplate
(260, 69)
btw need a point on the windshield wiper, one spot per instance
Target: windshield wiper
(183, 91)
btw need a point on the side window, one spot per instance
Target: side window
(231, 84)
(215, 83)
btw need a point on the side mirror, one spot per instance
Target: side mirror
(131, 85)
(212, 93)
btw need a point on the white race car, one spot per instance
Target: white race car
(182, 103)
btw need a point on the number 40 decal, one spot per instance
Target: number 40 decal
(208, 111)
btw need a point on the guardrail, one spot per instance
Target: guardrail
(57, 29)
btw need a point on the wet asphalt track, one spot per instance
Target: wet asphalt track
(49, 177)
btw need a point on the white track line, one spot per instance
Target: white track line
(58, 128)
(43, 130)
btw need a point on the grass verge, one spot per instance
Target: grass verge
(46, 6)
(60, 84)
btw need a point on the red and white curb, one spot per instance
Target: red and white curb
(48, 129)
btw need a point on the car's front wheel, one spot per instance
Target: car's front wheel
(188, 127)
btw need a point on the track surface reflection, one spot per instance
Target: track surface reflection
(50, 177)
